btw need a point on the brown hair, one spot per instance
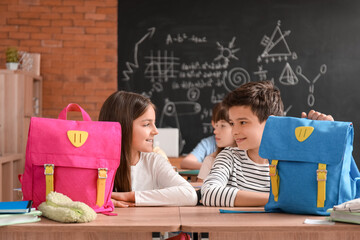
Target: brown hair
(220, 112)
(124, 107)
(263, 98)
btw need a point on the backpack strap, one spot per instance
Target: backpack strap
(275, 180)
(49, 178)
(101, 183)
(321, 179)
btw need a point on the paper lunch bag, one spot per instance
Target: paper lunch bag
(76, 158)
(311, 164)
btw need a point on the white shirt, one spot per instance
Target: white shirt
(156, 183)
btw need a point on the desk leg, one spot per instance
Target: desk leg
(197, 236)
(193, 178)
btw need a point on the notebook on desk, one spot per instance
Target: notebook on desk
(15, 207)
(168, 141)
(193, 172)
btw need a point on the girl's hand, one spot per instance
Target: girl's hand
(122, 204)
(123, 199)
(313, 115)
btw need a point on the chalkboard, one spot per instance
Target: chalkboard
(187, 55)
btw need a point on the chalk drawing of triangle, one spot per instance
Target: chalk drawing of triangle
(277, 45)
(288, 76)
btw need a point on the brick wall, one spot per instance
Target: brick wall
(77, 40)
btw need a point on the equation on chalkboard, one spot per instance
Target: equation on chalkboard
(186, 57)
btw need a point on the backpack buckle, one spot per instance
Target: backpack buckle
(321, 175)
(102, 173)
(272, 170)
(48, 169)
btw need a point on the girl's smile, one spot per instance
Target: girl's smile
(144, 130)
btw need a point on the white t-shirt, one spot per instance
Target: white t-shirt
(156, 183)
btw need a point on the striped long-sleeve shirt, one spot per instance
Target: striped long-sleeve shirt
(232, 171)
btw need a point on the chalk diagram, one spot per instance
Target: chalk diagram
(276, 49)
(311, 97)
(160, 68)
(227, 52)
(165, 70)
(131, 66)
(287, 76)
(164, 67)
(261, 73)
(172, 111)
(237, 76)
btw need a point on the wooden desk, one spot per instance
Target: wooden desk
(176, 161)
(189, 174)
(131, 223)
(260, 225)
(139, 222)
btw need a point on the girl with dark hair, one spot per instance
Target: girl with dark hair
(223, 137)
(144, 178)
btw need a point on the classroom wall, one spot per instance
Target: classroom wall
(77, 40)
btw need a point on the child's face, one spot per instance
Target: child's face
(223, 135)
(144, 130)
(246, 128)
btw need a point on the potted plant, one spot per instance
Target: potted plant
(12, 58)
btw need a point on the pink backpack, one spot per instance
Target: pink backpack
(76, 158)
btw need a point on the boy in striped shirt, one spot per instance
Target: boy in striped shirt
(239, 176)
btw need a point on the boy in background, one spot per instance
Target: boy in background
(239, 176)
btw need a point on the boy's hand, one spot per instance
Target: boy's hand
(313, 115)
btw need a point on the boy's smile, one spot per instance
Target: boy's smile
(246, 129)
(239, 140)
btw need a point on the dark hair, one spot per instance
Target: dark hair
(262, 97)
(220, 112)
(124, 107)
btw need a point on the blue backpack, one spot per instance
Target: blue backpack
(311, 164)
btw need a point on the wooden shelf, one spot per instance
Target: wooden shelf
(20, 99)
